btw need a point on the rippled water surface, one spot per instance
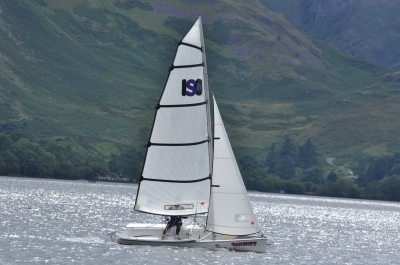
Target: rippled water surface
(63, 222)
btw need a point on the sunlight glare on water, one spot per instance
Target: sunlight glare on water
(64, 222)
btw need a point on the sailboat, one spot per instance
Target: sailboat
(190, 169)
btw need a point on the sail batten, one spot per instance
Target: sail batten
(190, 45)
(177, 168)
(187, 66)
(176, 181)
(182, 105)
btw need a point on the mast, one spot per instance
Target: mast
(176, 175)
(209, 125)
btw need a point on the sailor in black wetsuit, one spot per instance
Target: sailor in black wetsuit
(175, 220)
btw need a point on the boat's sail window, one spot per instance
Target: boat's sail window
(179, 206)
(242, 217)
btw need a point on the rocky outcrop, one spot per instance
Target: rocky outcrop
(393, 77)
(368, 30)
(323, 9)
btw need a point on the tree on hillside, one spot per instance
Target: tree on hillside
(314, 174)
(291, 186)
(272, 159)
(287, 159)
(332, 176)
(66, 170)
(362, 170)
(341, 188)
(2, 165)
(248, 163)
(286, 168)
(395, 170)
(370, 170)
(99, 166)
(6, 143)
(288, 149)
(128, 162)
(11, 164)
(379, 168)
(307, 155)
(34, 161)
(372, 190)
(251, 170)
(389, 187)
(84, 173)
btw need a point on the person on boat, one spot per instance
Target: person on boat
(176, 207)
(173, 221)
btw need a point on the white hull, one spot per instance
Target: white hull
(190, 236)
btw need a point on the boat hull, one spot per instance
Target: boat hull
(190, 236)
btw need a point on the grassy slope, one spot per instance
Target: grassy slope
(97, 68)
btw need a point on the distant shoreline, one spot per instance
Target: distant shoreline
(81, 180)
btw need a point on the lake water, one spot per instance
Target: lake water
(63, 222)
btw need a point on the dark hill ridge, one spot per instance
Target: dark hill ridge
(368, 30)
(97, 68)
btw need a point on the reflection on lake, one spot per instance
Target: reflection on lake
(63, 222)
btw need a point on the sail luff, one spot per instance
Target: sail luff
(152, 126)
(209, 123)
(176, 174)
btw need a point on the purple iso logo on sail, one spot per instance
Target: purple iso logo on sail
(192, 87)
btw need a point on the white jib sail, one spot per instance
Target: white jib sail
(176, 173)
(230, 211)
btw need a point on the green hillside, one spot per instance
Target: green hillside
(97, 67)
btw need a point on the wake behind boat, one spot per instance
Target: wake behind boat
(189, 169)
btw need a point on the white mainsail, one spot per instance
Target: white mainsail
(230, 211)
(176, 176)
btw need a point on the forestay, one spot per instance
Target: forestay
(230, 210)
(176, 176)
